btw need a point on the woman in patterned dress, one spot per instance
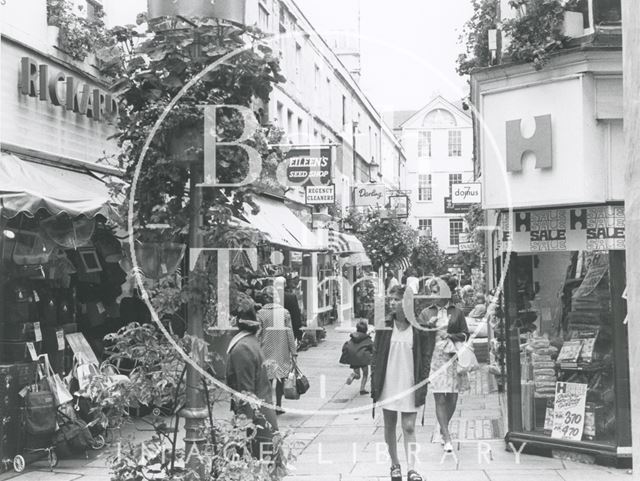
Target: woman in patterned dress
(277, 340)
(451, 327)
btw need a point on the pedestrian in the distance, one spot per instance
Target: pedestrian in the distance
(401, 360)
(357, 352)
(390, 281)
(277, 340)
(292, 305)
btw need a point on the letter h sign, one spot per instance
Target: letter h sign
(539, 144)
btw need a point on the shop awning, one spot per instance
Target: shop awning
(359, 259)
(341, 243)
(281, 226)
(28, 187)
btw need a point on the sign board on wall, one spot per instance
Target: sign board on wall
(308, 166)
(369, 195)
(597, 228)
(320, 194)
(451, 208)
(568, 410)
(466, 193)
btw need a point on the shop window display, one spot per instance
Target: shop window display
(564, 325)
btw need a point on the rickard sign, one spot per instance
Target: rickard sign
(66, 91)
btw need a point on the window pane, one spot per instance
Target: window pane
(454, 179)
(424, 144)
(455, 227)
(455, 143)
(424, 225)
(424, 187)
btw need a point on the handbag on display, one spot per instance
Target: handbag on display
(290, 386)
(58, 388)
(467, 361)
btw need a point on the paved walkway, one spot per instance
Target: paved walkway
(333, 444)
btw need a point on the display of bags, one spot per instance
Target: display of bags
(58, 388)
(467, 361)
(40, 412)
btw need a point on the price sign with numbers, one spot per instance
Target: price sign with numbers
(568, 410)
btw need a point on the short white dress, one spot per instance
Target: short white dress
(399, 376)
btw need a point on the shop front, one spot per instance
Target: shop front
(550, 156)
(566, 334)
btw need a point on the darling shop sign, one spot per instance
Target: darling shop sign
(66, 91)
(598, 228)
(369, 195)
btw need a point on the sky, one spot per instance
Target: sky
(408, 47)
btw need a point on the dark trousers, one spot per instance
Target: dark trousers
(279, 391)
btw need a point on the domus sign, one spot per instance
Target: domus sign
(467, 193)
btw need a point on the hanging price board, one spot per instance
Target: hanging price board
(568, 411)
(37, 332)
(60, 338)
(32, 351)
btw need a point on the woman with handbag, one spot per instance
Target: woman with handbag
(277, 340)
(404, 353)
(451, 328)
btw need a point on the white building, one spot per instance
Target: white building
(438, 141)
(321, 102)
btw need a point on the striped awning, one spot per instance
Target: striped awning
(403, 264)
(341, 243)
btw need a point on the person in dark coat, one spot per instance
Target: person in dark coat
(247, 374)
(292, 305)
(357, 352)
(403, 351)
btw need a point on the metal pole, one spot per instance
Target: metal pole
(195, 410)
(631, 80)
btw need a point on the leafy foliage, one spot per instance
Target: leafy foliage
(386, 240)
(475, 35)
(427, 257)
(79, 35)
(537, 33)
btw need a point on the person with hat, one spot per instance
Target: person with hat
(451, 327)
(247, 374)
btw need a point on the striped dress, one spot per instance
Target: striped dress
(278, 343)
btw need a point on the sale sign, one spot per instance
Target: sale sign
(568, 411)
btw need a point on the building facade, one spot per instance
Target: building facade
(322, 103)
(550, 154)
(438, 141)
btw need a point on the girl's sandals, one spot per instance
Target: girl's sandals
(413, 476)
(396, 472)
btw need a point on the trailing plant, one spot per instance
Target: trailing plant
(387, 241)
(537, 33)
(79, 36)
(475, 35)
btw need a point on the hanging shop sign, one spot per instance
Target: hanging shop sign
(369, 195)
(568, 411)
(451, 208)
(399, 205)
(308, 166)
(599, 228)
(320, 194)
(466, 242)
(65, 91)
(466, 193)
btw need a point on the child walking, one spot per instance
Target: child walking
(404, 353)
(357, 352)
